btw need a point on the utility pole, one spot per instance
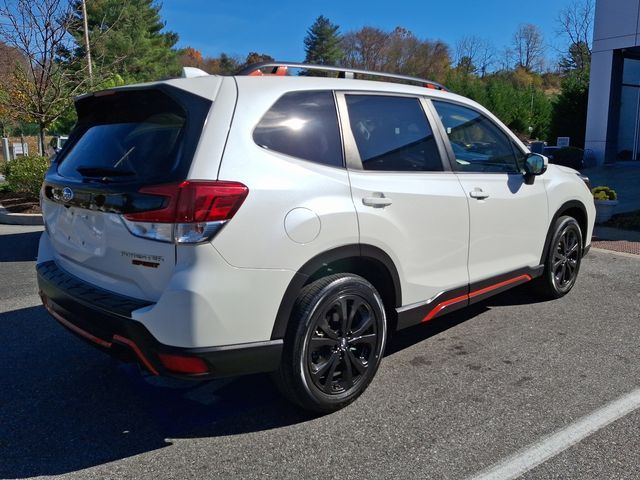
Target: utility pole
(86, 39)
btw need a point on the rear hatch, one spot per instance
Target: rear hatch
(125, 141)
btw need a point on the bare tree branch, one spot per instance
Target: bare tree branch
(575, 25)
(528, 47)
(40, 86)
(474, 55)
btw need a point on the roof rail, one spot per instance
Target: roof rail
(343, 72)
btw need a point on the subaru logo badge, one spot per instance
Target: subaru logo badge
(67, 194)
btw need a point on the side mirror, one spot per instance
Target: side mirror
(535, 164)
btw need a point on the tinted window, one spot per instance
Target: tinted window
(478, 144)
(392, 134)
(127, 136)
(303, 125)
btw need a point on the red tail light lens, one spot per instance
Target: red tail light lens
(194, 202)
(193, 212)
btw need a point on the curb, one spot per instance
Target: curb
(615, 252)
(8, 218)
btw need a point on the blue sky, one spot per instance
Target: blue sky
(278, 27)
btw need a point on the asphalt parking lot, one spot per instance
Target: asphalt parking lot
(451, 399)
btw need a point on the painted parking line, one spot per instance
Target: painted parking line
(550, 446)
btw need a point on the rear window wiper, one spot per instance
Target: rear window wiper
(100, 172)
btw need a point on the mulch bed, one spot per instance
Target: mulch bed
(19, 203)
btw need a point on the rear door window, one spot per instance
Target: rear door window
(303, 125)
(392, 134)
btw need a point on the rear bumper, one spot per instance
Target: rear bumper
(103, 319)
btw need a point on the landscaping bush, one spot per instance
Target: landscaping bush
(604, 193)
(25, 174)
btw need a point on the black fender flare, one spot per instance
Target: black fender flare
(563, 209)
(316, 263)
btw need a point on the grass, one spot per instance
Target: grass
(626, 221)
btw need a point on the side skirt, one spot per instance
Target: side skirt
(455, 299)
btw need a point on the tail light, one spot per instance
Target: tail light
(193, 212)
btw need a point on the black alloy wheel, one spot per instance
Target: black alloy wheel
(566, 258)
(341, 344)
(563, 259)
(334, 343)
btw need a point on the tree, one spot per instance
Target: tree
(569, 118)
(322, 44)
(365, 48)
(228, 64)
(39, 87)
(577, 59)
(528, 47)
(9, 57)
(398, 51)
(575, 24)
(473, 55)
(517, 98)
(254, 57)
(466, 66)
(222, 65)
(127, 38)
(190, 57)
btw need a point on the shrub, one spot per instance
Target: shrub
(569, 116)
(25, 174)
(604, 193)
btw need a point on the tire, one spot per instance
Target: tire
(562, 263)
(329, 357)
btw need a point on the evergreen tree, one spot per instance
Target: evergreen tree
(569, 117)
(577, 59)
(322, 44)
(127, 38)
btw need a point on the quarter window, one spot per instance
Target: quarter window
(478, 144)
(303, 125)
(392, 134)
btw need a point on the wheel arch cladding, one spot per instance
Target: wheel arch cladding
(370, 262)
(572, 208)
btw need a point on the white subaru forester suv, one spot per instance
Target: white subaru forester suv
(213, 226)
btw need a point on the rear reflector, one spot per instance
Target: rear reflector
(194, 211)
(181, 364)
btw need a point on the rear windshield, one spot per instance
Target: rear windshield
(126, 136)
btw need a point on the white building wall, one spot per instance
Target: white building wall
(616, 26)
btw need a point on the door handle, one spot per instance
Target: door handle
(478, 193)
(378, 200)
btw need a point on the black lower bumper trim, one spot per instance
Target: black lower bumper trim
(89, 315)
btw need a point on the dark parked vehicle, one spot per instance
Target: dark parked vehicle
(571, 157)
